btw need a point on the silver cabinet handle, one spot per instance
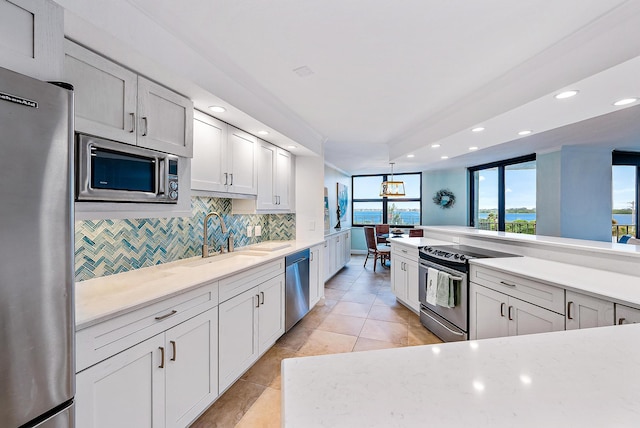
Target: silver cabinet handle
(404, 251)
(133, 122)
(510, 316)
(174, 349)
(311, 257)
(257, 301)
(226, 178)
(502, 305)
(569, 305)
(275, 200)
(262, 294)
(165, 316)
(231, 178)
(621, 321)
(507, 284)
(161, 358)
(146, 126)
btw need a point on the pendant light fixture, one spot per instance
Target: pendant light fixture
(391, 188)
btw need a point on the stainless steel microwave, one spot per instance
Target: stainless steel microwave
(117, 172)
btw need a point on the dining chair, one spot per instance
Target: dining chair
(379, 251)
(382, 229)
(415, 233)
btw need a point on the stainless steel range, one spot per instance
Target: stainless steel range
(449, 323)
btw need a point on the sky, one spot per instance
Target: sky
(624, 186)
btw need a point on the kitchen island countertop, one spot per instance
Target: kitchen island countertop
(579, 378)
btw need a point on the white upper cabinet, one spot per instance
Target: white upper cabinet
(31, 35)
(274, 178)
(115, 103)
(224, 157)
(209, 163)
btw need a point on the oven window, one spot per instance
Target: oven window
(118, 171)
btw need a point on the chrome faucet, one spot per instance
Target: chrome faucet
(205, 240)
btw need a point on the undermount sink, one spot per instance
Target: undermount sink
(220, 257)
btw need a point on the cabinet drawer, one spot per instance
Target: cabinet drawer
(537, 293)
(237, 284)
(404, 251)
(100, 341)
(627, 315)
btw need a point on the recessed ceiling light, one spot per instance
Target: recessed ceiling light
(292, 147)
(473, 148)
(526, 132)
(411, 156)
(625, 101)
(566, 94)
(217, 109)
(263, 132)
(444, 157)
(478, 129)
(435, 146)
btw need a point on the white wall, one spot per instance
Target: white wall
(331, 178)
(309, 173)
(548, 199)
(454, 180)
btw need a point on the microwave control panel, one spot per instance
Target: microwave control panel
(173, 179)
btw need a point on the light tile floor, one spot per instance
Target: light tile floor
(359, 313)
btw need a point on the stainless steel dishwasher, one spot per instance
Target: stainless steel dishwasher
(296, 288)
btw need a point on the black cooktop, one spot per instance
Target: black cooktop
(457, 253)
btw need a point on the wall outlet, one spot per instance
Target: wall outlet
(258, 230)
(249, 231)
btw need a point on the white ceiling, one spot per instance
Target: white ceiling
(389, 78)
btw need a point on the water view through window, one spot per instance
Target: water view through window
(370, 208)
(624, 201)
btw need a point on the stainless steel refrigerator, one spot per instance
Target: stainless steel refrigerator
(37, 380)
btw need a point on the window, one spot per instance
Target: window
(370, 208)
(503, 195)
(625, 172)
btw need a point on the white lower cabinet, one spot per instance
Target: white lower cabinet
(627, 315)
(586, 311)
(404, 275)
(249, 324)
(337, 252)
(164, 381)
(494, 314)
(316, 275)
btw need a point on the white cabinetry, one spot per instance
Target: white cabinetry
(586, 311)
(404, 275)
(164, 381)
(337, 252)
(224, 158)
(31, 38)
(251, 318)
(274, 178)
(115, 103)
(502, 304)
(316, 275)
(627, 315)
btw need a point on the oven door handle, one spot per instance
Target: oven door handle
(457, 333)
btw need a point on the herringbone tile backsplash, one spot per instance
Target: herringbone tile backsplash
(105, 247)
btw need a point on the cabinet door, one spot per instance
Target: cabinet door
(242, 153)
(411, 272)
(586, 311)
(326, 260)
(526, 318)
(192, 368)
(399, 277)
(126, 390)
(487, 313)
(315, 291)
(267, 199)
(31, 36)
(627, 315)
(105, 94)
(166, 119)
(283, 179)
(209, 163)
(238, 336)
(347, 247)
(271, 313)
(339, 251)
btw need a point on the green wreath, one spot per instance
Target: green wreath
(444, 198)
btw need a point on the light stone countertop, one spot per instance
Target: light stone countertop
(333, 231)
(578, 378)
(612, 286)
(100, 299)
(417, 242)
